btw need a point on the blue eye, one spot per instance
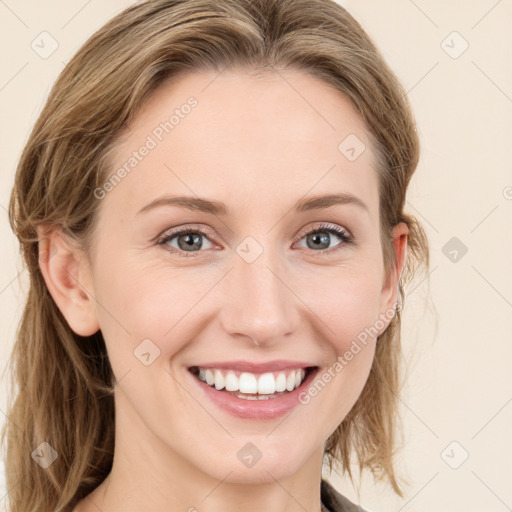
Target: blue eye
(319, 237)
(190, 241)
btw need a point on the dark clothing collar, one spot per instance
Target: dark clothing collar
(333, 501)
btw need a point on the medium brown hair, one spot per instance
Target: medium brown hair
(62, 383)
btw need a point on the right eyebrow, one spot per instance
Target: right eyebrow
(192, 203)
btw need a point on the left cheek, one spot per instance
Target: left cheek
(348, 309)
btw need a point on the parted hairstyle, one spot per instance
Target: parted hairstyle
(62, 383)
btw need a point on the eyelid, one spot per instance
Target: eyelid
(341, 232)
(161, 239)
(328, 227)
(177, 230)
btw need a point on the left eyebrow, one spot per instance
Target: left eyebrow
(326, 201)
(219, 208)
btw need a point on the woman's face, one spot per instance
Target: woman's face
(259, 279)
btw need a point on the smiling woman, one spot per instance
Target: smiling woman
(215, 297)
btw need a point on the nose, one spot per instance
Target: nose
(259, 304)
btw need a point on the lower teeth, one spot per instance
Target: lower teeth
(253, 396)
(257, 397)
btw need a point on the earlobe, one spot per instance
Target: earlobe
(67, 275)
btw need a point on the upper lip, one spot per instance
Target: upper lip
(253, 367)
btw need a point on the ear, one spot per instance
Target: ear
(389, 293)
(68, 277)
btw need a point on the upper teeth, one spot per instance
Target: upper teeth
(245, 382)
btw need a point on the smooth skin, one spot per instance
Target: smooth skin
(258, 143)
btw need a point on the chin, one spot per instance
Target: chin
(252, 465)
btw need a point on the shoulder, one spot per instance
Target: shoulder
(336, 502)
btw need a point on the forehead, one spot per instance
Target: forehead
(266, 137)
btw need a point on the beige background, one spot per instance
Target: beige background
(460, 387)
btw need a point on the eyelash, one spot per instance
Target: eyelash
(345, 237)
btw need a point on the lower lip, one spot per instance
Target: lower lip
(255, 409)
